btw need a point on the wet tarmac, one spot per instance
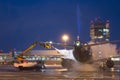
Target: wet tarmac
(57, 73)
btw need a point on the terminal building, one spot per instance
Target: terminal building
(5, 58)
(49, 56)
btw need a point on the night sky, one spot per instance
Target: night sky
(23, 22)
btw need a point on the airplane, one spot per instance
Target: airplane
(81, 53)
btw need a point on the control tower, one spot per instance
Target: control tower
(99, 31)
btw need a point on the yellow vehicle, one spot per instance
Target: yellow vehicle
(22, 64)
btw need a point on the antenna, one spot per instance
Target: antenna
(78, 37)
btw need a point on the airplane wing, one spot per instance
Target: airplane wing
(84, 45)
(100, 43)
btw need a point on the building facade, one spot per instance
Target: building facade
(5, 58)
(49, 56)
(99, 31)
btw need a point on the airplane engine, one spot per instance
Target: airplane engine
(82, 54)
(109, 63)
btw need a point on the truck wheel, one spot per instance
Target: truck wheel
(20, 68)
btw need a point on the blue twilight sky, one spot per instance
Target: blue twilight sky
(24, 21)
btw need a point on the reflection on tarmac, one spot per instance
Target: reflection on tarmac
(9, 73)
